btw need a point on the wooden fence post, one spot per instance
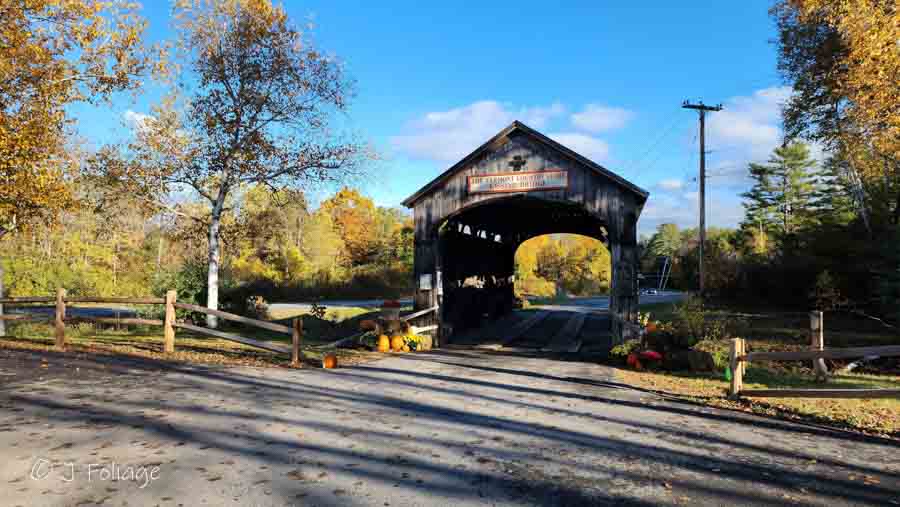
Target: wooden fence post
(2, 322)
(737, 369)
(743, 353)
(817, 340)
(296, 339)
(61, 318)
(169, 323)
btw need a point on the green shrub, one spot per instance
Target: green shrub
(720, 350)
(692, 322)
(623, 349)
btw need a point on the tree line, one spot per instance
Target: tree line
(246, 129)
(818, 232)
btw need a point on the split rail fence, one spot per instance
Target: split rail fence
(818, 353)
(169, 323)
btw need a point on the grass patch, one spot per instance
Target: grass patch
(658, 311)
(877, 416)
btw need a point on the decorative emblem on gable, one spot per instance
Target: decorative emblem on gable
(517, 162)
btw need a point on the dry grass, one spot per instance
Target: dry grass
(876, 416)
(770, 331)
(146, 342)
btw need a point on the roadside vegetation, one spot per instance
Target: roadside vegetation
(708, 329)
(319, 332)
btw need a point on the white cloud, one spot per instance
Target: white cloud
(136, 120)
(681, 209)
(750, 125)
(585, 145)
(596, 118)
(670, 184)
(448, 136)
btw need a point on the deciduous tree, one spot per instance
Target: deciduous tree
(255, 108)
(54, 53)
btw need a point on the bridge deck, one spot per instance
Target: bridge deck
(552, 331)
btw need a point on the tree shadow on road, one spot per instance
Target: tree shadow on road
(228, 399)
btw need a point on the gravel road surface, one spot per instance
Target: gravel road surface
(456, 427)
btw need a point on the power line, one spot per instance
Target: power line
(668, 130)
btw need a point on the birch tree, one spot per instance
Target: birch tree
(254, 105)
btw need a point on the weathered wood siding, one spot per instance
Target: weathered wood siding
(613, 211)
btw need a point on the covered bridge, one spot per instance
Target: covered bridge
(470, 220)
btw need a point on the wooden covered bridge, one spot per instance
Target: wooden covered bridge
(470, 220)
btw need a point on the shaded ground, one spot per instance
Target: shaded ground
(453, 427)
(594, 336)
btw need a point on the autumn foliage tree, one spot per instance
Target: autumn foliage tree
(54, 53)
(843, 61)
(253, 109)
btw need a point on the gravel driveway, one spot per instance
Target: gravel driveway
(454, 427)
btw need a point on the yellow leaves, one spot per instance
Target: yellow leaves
(870, 31)
(54, 52)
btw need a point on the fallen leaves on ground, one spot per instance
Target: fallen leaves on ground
(871, 416)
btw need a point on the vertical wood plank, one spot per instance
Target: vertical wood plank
(2, 322)
(817, 341)
(737, 374)
(743, 363)
(296, 340)
(61, 318)
(169, 323)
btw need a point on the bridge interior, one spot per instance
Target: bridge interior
(549, 330)
(482, 240)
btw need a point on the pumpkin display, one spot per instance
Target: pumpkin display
(384, 343)
(406, 348)
(329, 361)
(397, 343)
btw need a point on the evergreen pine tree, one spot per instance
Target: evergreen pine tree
(780, 203)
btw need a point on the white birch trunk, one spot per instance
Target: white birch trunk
(212, 277)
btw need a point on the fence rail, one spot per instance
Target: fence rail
(271, 326)
(419, 313)
(169, 324)
(833, 353)
(25, 300)
(740, 357)
(233, 337)
(124, 300)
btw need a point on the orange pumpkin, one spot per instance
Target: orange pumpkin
(329, 361)
(397, 343)
(406, 348)
(384, 343)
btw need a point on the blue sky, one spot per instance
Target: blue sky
(435, 80)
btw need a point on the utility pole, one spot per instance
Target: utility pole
(702, 109)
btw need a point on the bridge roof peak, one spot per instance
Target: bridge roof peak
(501, 138)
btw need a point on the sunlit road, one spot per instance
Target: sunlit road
(601, 303)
